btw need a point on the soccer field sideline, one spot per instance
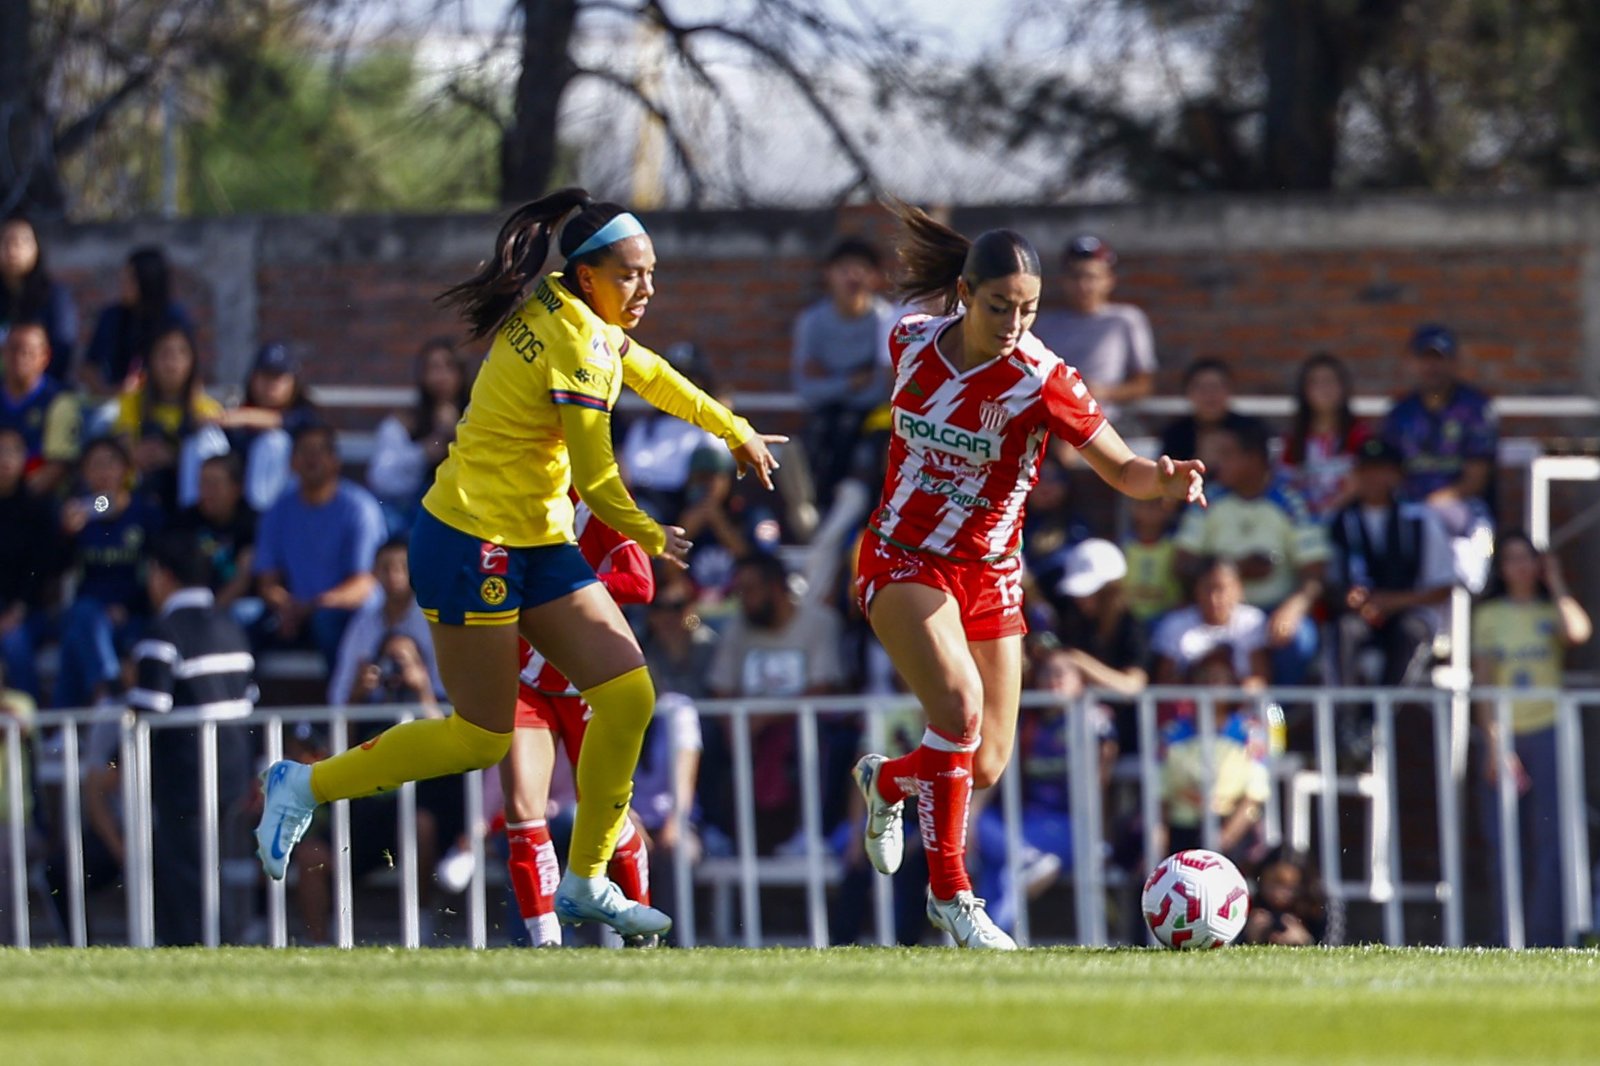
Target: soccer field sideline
(875, 1006)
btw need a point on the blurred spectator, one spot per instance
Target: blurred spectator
(841, 359)
(16, 709)
(1101, 636)
(29, 294)
(127, 330)
(1109, 343)
(777, 646)
(1217, 618)
(259, 430)
(1044, 744)
(657, 447)
(158, 417)
(30, 557)
(1240, 786)
(664, 783)
(678, 646)
(1050, 525)
(1263, 526)
(1520, 633)
(39, 408)
(392, 610)
(108, 527)
(1447, 435)
(193, 658)
(399, 676)
(1391, 567)
(315, 547)
(725, 525)
(1208, 386)
(410, 444)
(1320, 450)
(1288, 908)
(1152, 585)
(224, 531)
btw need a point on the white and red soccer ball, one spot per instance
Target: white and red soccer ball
(1196, 899)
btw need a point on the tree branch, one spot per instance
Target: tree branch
(679, 149)
(80, 131)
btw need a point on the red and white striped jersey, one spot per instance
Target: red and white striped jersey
(622, 567)
(965, 448)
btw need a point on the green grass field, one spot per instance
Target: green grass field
(843, 1006)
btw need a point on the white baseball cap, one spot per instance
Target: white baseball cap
(1090, 566)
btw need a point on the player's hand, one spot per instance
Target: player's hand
(1181, 480)
(678, 546)
(753, 454)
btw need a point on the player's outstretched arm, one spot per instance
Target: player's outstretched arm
(1144, 479)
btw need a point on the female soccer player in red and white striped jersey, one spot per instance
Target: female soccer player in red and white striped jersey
(976, 396)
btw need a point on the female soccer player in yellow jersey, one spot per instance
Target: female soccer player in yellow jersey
(493, 550)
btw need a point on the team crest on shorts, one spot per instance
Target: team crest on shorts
(993, 416)
(493, 591)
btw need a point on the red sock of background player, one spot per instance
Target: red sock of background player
(630, 865)
(896, 774)
(944, 796)
(534, 876)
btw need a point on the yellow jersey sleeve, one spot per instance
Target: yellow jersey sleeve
(595, 475)
(655, 379)
(583, 372)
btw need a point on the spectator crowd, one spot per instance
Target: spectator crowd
(1327, 556)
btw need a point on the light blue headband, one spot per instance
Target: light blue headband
(620, 228)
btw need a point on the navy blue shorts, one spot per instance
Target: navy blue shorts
(461, 580)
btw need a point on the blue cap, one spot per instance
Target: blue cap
(1434, 339)
(275, 358)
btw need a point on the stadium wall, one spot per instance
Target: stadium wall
(1262, 281)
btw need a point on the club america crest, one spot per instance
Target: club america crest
(993, 416)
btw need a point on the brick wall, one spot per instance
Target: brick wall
(1261, 282)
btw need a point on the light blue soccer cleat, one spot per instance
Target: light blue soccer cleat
(579, 900)
(286, 809)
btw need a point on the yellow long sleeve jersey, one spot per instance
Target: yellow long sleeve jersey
(540, 419)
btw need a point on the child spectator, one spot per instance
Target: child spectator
(29, 294)
(1520, 632)
(315, 547)
(1043, 751)
(224, 530)
(1265, 528)
(1288, 908)
(393, 610)
(108, 527)
(1240, 786)
(1100, 635)
(1447, 435)
(1109, 343)
(260, 429)
(1152, 585)
(157, 418)
(38, 408)
(1208, 386)
(126, 331)
(30, 557)
(410, 444)
(1217, 618)
(841, 359)
(1319, 452)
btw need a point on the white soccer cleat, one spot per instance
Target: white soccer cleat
(885, 835)
(965, 919)
(286, 809)
(579, 900)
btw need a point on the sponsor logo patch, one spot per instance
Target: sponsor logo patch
(493, 591)
(492, 559)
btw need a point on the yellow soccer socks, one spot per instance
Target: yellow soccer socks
(409, 751)
(622, 709)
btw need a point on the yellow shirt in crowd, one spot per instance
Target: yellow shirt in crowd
(1277, 523)
(1152, 585)
(506, 477)
(165, 416)
(1523, 642)
(1239, 777)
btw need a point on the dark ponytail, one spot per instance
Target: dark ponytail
(486, 298)
(933, 257)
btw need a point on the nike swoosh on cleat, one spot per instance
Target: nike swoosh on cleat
(277, 837)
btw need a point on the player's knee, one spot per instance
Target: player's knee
(481, 747)
(959, 714)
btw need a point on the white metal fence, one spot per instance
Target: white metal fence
(736, 887)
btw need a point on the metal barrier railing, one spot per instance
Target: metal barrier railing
(1312, 774)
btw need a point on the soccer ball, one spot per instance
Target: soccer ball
(1195, 899)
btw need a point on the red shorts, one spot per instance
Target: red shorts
(989, 595)
(565, 716)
